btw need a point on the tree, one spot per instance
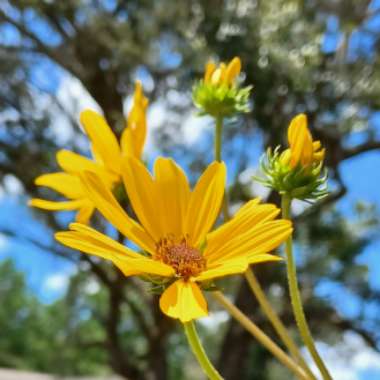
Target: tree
(289, 56)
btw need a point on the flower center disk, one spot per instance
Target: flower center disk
(187, 261)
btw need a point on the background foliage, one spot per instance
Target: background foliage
(321, 58)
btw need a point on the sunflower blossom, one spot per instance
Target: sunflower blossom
(297, 171)
(106, 162)
(173, 231)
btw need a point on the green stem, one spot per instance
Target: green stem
(199, 352)
(264, 339)
(218, 157)
(296, 296)
(255, 286)
(276, 321)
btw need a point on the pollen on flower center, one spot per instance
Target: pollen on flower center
(187, 261)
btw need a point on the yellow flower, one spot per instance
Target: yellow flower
(174, 231)
(302, 149)
(106, 162)
(224, 74)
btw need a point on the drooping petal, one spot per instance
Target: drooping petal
(247, 218)
(64, 183)
(103, 140)
(224, 268)
(90, 241)
(143, 196)
(233, 266)
(86, 239)
(300, 141)
(55, 206)
(183, 300)
(173, 192)
(147, 266)
(205, 202)
(258, 240)
(106, 203)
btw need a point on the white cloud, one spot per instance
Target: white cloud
(12, 185)
(213, 320)
(349, 358)
(73, 98)
(92, 287)
(3, 242)
(256, 188)
(58, 281)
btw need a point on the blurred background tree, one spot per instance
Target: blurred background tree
(321, 58)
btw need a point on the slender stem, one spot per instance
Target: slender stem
(260, 336)
(218, 157)
(218, 138)
(255, 286)
(199, 352)
(296, 296)
(276, 321)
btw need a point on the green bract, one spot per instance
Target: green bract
(221, 100)
(304, 183)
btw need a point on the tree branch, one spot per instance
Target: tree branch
(362, 148)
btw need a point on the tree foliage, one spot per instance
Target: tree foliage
(301, 56)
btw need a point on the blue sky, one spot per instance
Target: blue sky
(47, 274)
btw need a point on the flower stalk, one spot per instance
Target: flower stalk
(255, 286)
(276, 321)
(199, 352)
(255, 331)
(218, 157)
(296, 296)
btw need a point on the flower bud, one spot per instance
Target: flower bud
(219, 93)
(297, 171)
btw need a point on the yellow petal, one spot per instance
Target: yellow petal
(258, 240)
(183, 300)
(286, 156)
(66, 184)
(103, 140)
(74, 163)
(173, 192)
(106, 203)
(88, 240)
(319, 156)
(55, 206)
(234, 266)
(85, 212)
(224, 268)
(233, 70)
(209, 69)
(134, 136)
(316, 145)
(205, 202)
(142, 194)
(263, 258)
(251, 215)
(300, 141)
(146, 266)
(219, 75)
